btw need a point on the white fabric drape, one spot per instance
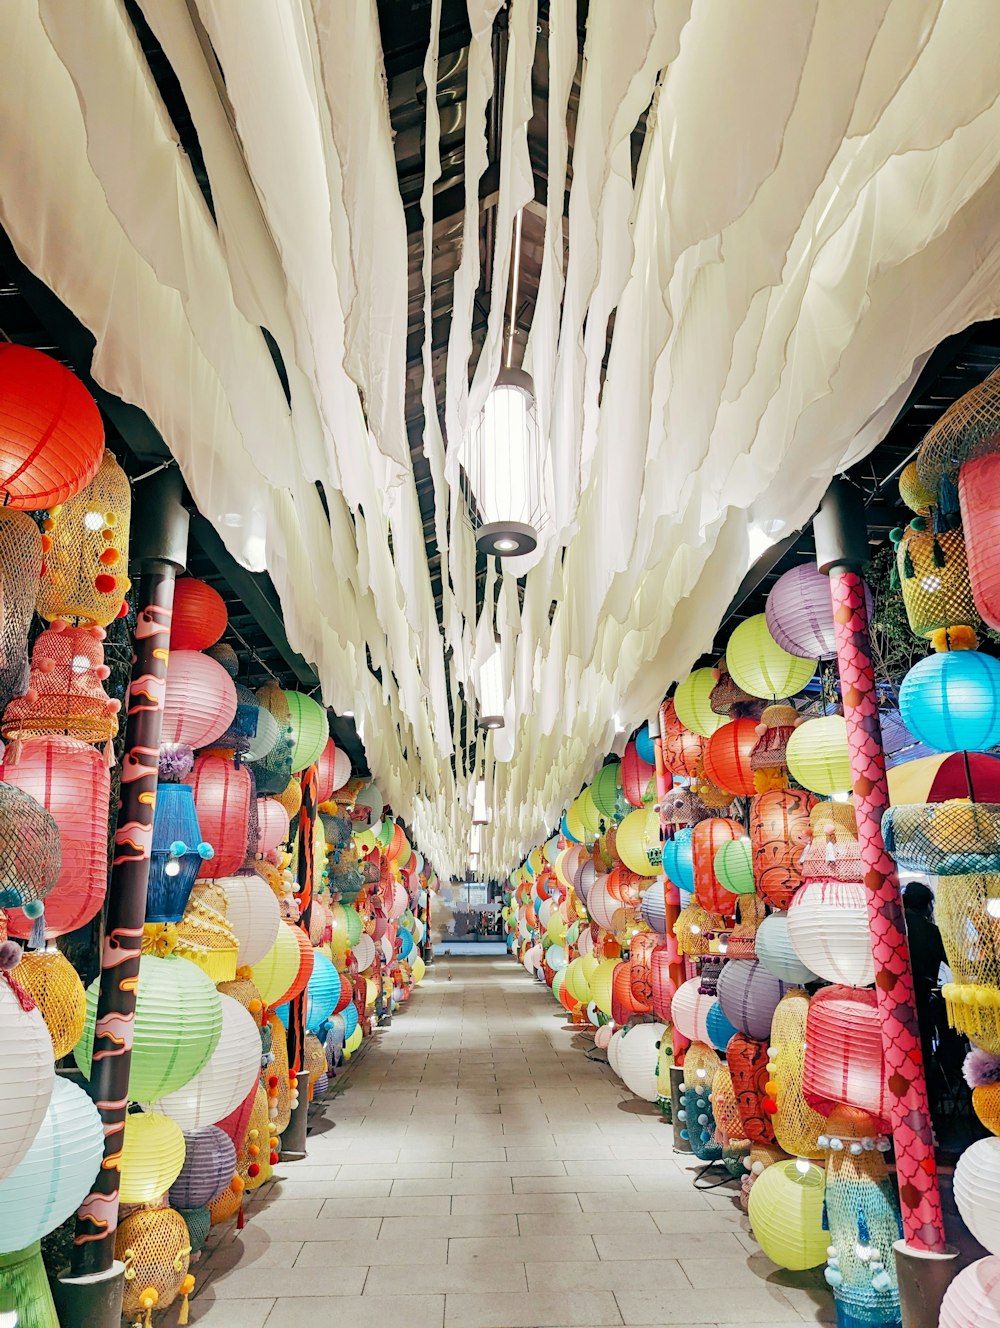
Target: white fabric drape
(813, 210)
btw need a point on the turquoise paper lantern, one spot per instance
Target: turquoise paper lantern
(678, 860)
(322, 992)
(951, 701)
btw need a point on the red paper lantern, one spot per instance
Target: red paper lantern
(237, 1122)
(71, 780)
(747, 1061)
(326, 772)
(200, 700)
(727, 756)
(222, 795)
(636, 776)
(272, 825)
(661, 984)
(706, 839)
(779, 832)
(625, 887)
(683, 751)
(200, 615)
(51, 435)
(844, 1065)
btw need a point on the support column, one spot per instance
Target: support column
(161, 537)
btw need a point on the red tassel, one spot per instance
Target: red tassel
(241, 1220)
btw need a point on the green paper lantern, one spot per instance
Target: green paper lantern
(25, 1293)
(606, 791)
(818, 755)
(692, 703)
(178, 1021)
(346, 922)
(760, 666)
(734, 866)
(310, 730)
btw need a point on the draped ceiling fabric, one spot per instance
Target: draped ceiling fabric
(814, 210)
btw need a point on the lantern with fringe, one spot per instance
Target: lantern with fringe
(66, 689)
(21, 560)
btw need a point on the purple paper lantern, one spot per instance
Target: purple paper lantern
(209, 1166)
(799, 613)
(749, 995)
(654, 908)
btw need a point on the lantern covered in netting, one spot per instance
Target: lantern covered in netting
(797, 1126)
(66, 693)
(21, 560)
(844, 1065)
(30, 855)
(177, 854)
(273, 771)
(934, 575)
(54, 985)
(154, 1246)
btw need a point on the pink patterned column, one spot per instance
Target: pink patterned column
(913, 1136)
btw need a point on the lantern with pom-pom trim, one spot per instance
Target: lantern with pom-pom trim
(222, 796)
(66, 689)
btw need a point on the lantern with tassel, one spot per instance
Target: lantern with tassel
(178, 852)
(153, 1245)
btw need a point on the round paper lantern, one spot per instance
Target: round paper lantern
(55, 987)
(209, 1166)
(323, 991)
(226, 1077)
(759, 665)
(749, 994)
(678, 859)
(818, 755)
(654, 908)
(607, 793)
(272, 825)
(222, 794)
(326, 772)
(310, 729)
(638, 1057)
(828, 930)
(254, 915)
(844, 1065)
(682, 750)
(237, 1123)
(727, 757)
(977, 1191)
(602, 984)
(689, 1010)
(733, 865)
(347, 925)
(200, 616)
(364, 951)
(27, 1070)
(178, 1020)
(776, 953)
(786, 1213)
(72, 782)
(692, 703)
(973, 1298)
(799, 613)
(56, 1172)
(638, 778)
(719, 1029)
(51, 435)
(200, 700)
(951, 701)
(706, 839)
(151, 1158)
(276, 972)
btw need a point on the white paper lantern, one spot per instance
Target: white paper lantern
(614, 1047)
(601, 905)
(544, 912)
(828, 929)
(533, 959)
(225, 1080)
(977, 1191)
(776, 953)
(27, 1072)
(689, 1011)
(364, 952)
(638, 1057)
(254, 915)
(973, 1298)
(341, 769)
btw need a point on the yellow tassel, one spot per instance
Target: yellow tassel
(182, 1317)
(187, 1286)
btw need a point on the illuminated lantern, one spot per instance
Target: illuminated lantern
(638, 1056)
(689, 1011)
(629, 992)
(27, 1071)
(85, 574)
(818, 756)
(200, 615)
(799, 613)
(272, 825)
(310, 729)
(844, 1065)
(254, 915)
(638, 842)
(693, 705)
(706, 839)
(66, 693)
(934, 576)
(223, 1082)
(200, 700)
(222, 793)
(786, 1213)
(775, 951)
(779, 832)
(759, 665)
(21, 559)
(749, 995)
(951, 701)
(151, 1158)
(733, 865)
(602, 984)
(727, 756)
(51, 435)
(682, 749)
(70, 779)
(828, 930)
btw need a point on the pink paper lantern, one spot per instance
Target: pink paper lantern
(689, 1009)
(973, 1298)
(844, 1065)
(326, 772)
(398, 902)
(272, 825)
(222, 795)
(977, 481)
(662, 984)
(200, 700)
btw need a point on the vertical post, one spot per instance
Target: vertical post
(841, 549)
(162, 551)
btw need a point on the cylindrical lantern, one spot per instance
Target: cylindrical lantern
(151, 1158)
(692, 703)
(178, 1020)
(759, 665)
(779, 831)
(254, 915)
(977, 1191)
(777, 954)
(27, 1071)
(70, 779)
(706, 839)
(272, 825)
(310, 729)
(844, 1064)
(200, 615)
(818, 757)
(638, 1056)
(209, 1166)
(951, 701)
(749, 995)
(727, 757)
(51, 435)
(786, 1213)
(55, 987)
(973, 1298)
(222, 793)
(226, 1077)
(797, 1127)
(828, 930)
(21, 559)
(66, 689)
(200, 700)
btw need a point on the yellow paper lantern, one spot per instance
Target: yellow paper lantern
(574, 822)
(276, 972)
(692, 703)
(418, 968)
(152, 1157)
(371, 991)
(556, 928)
(601, 984)
(353, 1042)
(818, 755)
(786, 1213)
(638, 842)
(55, 987)
(760, 666)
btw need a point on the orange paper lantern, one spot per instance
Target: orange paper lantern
(683, 751)
(727, 756)
(779, 832)
(706, 839)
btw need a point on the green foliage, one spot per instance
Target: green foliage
(895, 649)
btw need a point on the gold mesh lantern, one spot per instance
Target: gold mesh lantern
(290, 797)
(832, 852)
(751, 912)
(253, 1161)
(155, 1248)
(243, 989)
(797, 1127)
(986, 1105)
(695, 928)
(967, 428)
(934, 575)
(968, 915)
(56, 989)
(313, 1060)
(204, 935)
(85, 542)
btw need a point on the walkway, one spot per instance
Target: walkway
(478, 1171)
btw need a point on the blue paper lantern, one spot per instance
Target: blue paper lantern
(406, 944)
(951, 701)
(644, 745)
(322, 992)
(177, 853)
(718, 1027)
(349, 1014)
(678, 860)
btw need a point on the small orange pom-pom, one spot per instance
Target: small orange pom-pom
(254, 1150)
(107, 535)
(105, 583)
(48, 525)
(273, 1141)
(237, 1185)
(255, 1006)
(109, 557)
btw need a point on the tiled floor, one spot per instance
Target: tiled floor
(478, 1171)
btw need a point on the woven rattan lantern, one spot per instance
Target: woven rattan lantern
(27, 1070)
(786, 1213)
(86, 541)
(66, 689)
(222, 796)
(55, 987)
(21, 560)
(797, 1126)
(779, 831)
(70, 779)
(153, 1245)
(29, 851)
(200, 700)
(934, 574)
(204, 934)
(727, 757)
(152, 1155)
(51, 435)
(226, 1077)
(844, 1065)
(760, 666)
(706, 840)
(200, 615)
(274, 770)
(209, 1167)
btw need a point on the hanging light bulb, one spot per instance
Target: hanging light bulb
(491, 692)
(504, 464)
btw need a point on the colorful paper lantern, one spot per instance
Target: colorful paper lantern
(25, 1293)
(638, 778)
(638, 1056)
(973, 1297)
(254, 915)
(818, 755)
(200, 615)
(844, 1064)
(275, 974)
(759, 665)
(828, 930)
(323, 992)
(178, 1020)
(222, 796)
(749, 995)
(977, 482)
(326, 772)
(54, 985)
(70, 779)
(692, 703)
(638, 842)
(689, 1010)
(733, 866)
(779, 831)
(57, 1170)
(607, 793)
(209, 1166)
(951, 701)
(272, 825)
(707, 838)
(747, 1061)
(727, 757)
(226, 1077)
(51, 434)
(682, 750)
(310, 729)
(799, 613)
(786, 1213)
(200, 700)
(151, 1158)
(27, 1071)
(720, 1029)
(678, 859)
(775, 952)
(977, 1191)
